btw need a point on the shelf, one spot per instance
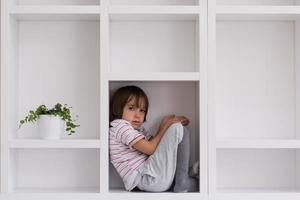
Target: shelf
(49, 196)
(154, 10)
(64, 194)
(257, 144)
(150, 196)
(57, 190)
(152, 76)
(258, 12)
(253, 190)
(56, 12)
(155, 2)
(178, 13)
(57, 144)
(257, 195)
(112, 196)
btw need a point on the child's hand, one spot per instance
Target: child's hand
(172, 119)
(184, 121)
(167, 122)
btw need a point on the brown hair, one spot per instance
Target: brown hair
(124, 95)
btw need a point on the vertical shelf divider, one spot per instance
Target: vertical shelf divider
(104, 96)
(211, 36)
(202, 55)
(4, 180)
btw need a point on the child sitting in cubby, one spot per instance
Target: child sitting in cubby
(148, 163)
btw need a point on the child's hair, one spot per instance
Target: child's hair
(124, 95)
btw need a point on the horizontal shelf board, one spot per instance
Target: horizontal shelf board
(257, 190)
(40, 196)
(56, 12)
(90, 190)
(118, 194)
(111, 196)
(153, 76)
(258, 195)
(257, 144)
(59, 144)
(154, 9)
(258, 12)
(178, 13)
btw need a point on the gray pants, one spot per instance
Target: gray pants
(159, 171)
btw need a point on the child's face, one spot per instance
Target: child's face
(133, 114)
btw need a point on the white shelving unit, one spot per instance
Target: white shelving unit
(78, 52)
(231, 66)
(253, 99)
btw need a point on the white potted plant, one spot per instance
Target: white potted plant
(49, 120)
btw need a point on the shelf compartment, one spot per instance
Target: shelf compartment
(55, 170)
(19, 143)
(155, 2)
(257, 144)
(56, 12)
(66, 63)
(163, 76)
(258, 12)
(175, 97)
(149, 43)
(257, 82)
(258, 171)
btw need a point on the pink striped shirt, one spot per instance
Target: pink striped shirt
(125, 159)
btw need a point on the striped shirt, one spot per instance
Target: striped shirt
(125, 159)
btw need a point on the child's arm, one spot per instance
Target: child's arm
(149, 147)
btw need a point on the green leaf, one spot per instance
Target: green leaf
(61, 110)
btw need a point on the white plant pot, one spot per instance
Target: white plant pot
(50, 127)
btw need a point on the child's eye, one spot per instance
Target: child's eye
(144, 111)
(131, 108)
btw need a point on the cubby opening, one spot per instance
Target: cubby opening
(51, 62)
(155, 2)
(257, 73)
(179, 98)
(258, 2)
(154, 43)
(58, 2)
(55, 171)
(257, 171)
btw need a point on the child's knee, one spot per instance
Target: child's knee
(177, 129)
(177, 125)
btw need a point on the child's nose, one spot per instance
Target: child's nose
(137, 113)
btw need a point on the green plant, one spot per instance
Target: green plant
(63, 111)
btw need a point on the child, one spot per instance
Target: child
(148, 163)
